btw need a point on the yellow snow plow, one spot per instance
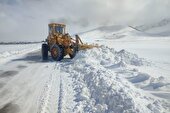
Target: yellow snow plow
(59, 43)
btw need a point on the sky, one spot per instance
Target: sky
(27, 20)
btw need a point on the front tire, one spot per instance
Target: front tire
(74, 51)
(56, 53)
(44, 51)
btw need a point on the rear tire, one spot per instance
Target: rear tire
(56, 53)
(44, 51)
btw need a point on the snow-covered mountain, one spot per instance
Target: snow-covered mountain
(161, 28)
(119, 32)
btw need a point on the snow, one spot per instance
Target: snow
(140, 77)
(10, 51)
(157, 29)
(100, 89)
(128, 73)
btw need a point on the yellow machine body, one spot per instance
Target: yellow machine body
(60, 43)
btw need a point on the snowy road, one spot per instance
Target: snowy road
(28, 85)
(100, 80)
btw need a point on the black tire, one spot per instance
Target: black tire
(44, 51)
(62, 52)
(56, 53)
(74, 49)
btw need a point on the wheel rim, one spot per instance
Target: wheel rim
(54, 52)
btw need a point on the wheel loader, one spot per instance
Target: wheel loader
(59, 43)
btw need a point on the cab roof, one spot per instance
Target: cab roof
(57, 24)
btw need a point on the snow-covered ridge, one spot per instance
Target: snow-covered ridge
(160, 28)
(162, 23)
(9, 43)
(105, 29)
(98, 87)
(126, 33)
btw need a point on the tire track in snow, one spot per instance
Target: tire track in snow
(49, 98)
(60, 96)
(52, 96)
(44, 99)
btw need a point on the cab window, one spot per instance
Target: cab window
(59, 29)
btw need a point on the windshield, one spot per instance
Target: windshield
(59, 29)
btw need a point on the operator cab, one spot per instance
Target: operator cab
(56, 28)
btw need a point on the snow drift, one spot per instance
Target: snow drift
(99, 89)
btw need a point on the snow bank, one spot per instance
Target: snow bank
(99, 89)
(9, 51)
(130, 58)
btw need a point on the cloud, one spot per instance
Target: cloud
(28, 19)
(154, 11)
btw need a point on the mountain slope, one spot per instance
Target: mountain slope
(122, 32)
(161, 28)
